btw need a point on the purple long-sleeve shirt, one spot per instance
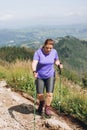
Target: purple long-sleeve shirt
(45, 66)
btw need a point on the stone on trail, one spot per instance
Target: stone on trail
(54, 124)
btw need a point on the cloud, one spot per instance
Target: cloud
(73, 13)
(6, 17)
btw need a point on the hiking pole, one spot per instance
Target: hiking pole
(34, 107)
(59, 89)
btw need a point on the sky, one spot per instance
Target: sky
(23, 13)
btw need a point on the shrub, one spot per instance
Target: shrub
(84, 80)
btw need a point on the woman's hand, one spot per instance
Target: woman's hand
(61, 65)
(35, 74)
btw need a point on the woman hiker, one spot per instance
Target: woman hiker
(43, 69)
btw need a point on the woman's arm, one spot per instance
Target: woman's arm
(34, 66)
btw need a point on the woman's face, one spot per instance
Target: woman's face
(48, 48)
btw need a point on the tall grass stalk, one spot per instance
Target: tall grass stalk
(73, 101)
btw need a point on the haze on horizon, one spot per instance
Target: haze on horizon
(23, 13)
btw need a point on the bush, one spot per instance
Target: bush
(84, 80)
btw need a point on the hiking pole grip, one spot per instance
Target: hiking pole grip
(59, 69)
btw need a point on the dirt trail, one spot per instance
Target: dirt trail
(16, 113)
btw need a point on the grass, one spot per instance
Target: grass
(73, 101)
(19, 76)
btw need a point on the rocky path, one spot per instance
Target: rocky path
(16, 113)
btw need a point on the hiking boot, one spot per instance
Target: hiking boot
(40, 108)
(47, 111)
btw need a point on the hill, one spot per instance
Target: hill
(71, 50)
(11, 54)
(73, 53)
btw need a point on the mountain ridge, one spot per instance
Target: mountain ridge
(71, 50)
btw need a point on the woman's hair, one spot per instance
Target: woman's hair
(49, 42)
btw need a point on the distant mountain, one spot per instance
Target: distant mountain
(72, 52)
(35, 36)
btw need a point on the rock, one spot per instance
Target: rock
(54, 124)
(3, 83)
